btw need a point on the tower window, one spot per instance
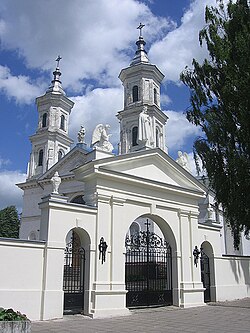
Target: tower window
(157, 137)
(44, 121)
(62, 124)
(60, 155)
(134, 136)
(155, 96)
(135, 93)
(40, 158)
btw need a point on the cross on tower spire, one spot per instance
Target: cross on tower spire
(140, 27)
(58, 60)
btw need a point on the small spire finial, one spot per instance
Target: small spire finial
(140, 27)
(58, 60)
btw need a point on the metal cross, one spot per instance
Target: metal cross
(58, 60)
(140, 27)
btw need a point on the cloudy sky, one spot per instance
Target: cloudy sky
(96, 39)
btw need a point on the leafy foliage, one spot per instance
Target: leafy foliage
(11, 315)
(9, 222)
(220, 105)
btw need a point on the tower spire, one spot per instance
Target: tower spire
(56, 84)
(140, 54)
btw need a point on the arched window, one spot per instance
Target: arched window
(40, 158)
(62, 124)
(135, 93)
(32, 235)
(44, 121)
(157, 137)
(134, 136)
(60, 155)
(155, 96)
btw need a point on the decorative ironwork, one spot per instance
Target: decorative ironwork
(102, 250)
(73, 281)
(196, 254)
(144, 239)
(148, 270)
(205, 276)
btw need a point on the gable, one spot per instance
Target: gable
(153, 165)
(73, 159)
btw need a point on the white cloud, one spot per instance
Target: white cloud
(179, 130)
(181, 45)
(20, 88)
(97, 106)
(10, 194)
(165, 100)
(93, 37)
(4, 162)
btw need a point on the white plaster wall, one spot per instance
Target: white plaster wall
(21, 276)
(31, 214)
(232, 277)
(246, 245)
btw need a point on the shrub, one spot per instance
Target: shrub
(11, 315)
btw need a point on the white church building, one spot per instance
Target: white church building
(102, 233)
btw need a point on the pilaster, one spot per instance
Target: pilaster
(191, 288)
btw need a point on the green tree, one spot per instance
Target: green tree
(220, 105)
(9, 222)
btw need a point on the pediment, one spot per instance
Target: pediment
(75, 158)
(153, 165)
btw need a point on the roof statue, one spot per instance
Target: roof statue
(100, 138)
(183, 160)
(81, 134)
(56, 181)
(145, 127)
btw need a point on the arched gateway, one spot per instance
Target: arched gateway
(74, 272)
(148, 269)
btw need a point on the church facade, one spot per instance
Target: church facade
(117, 231)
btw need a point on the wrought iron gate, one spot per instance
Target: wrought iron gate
(73, 281)
(205, 275)
(148, 270)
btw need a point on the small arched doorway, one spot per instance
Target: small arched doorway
(74, 273)
(207, 272)
(148, 266)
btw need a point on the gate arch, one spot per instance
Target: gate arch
(75, 277)
(148, 266)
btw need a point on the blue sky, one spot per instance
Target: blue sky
(96, 39)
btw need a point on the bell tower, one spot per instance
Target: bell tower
(51, 140)
(142, 123)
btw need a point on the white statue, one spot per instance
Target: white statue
(145, 128)
(183, 160)
(56, 181)
(210, 212)
(100, 138)
(81, 135)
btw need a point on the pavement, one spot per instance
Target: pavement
(221, 317)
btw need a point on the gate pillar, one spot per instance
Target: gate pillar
(191, 287)
(108, 293)
(52, 279)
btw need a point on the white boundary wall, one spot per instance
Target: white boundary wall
(21, 277)
(232, 277)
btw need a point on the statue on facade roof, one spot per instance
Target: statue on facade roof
(183, 160)
(81, 135)
(100, 138)
(56, 181)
